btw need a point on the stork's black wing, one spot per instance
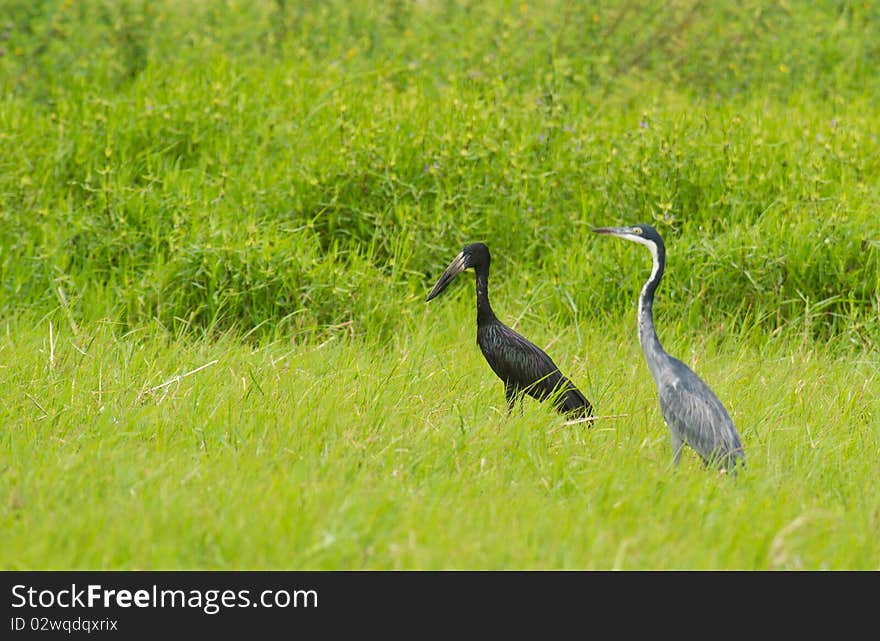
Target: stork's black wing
(524, 366)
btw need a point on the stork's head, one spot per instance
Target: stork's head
(475, 255)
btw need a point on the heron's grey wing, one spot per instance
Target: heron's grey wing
(693, 410)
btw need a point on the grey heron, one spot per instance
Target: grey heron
(691, 409)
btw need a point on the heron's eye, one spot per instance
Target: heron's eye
(638, 230)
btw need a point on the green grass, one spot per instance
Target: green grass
(348, 455)
(267, 190)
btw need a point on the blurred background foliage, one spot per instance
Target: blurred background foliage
(311, 167)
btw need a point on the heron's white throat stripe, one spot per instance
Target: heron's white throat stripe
(655, 267)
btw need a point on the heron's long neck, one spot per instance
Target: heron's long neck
(647, 334)
(485, 314)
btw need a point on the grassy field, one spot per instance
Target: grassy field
(219, 220)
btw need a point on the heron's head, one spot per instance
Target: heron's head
(644, 234)
(474, 256)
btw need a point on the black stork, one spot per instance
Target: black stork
(520, 364)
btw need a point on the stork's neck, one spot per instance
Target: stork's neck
(485, 315)
(651, 346)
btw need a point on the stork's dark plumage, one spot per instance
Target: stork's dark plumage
(691, 409)
(520, 364)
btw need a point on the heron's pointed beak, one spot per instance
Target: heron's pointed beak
(458, 265)
(613, 231)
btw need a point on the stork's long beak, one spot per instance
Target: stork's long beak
(458, 265)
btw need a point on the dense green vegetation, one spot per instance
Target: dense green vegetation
(225, 164)
(334, 457)
(267, 190)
